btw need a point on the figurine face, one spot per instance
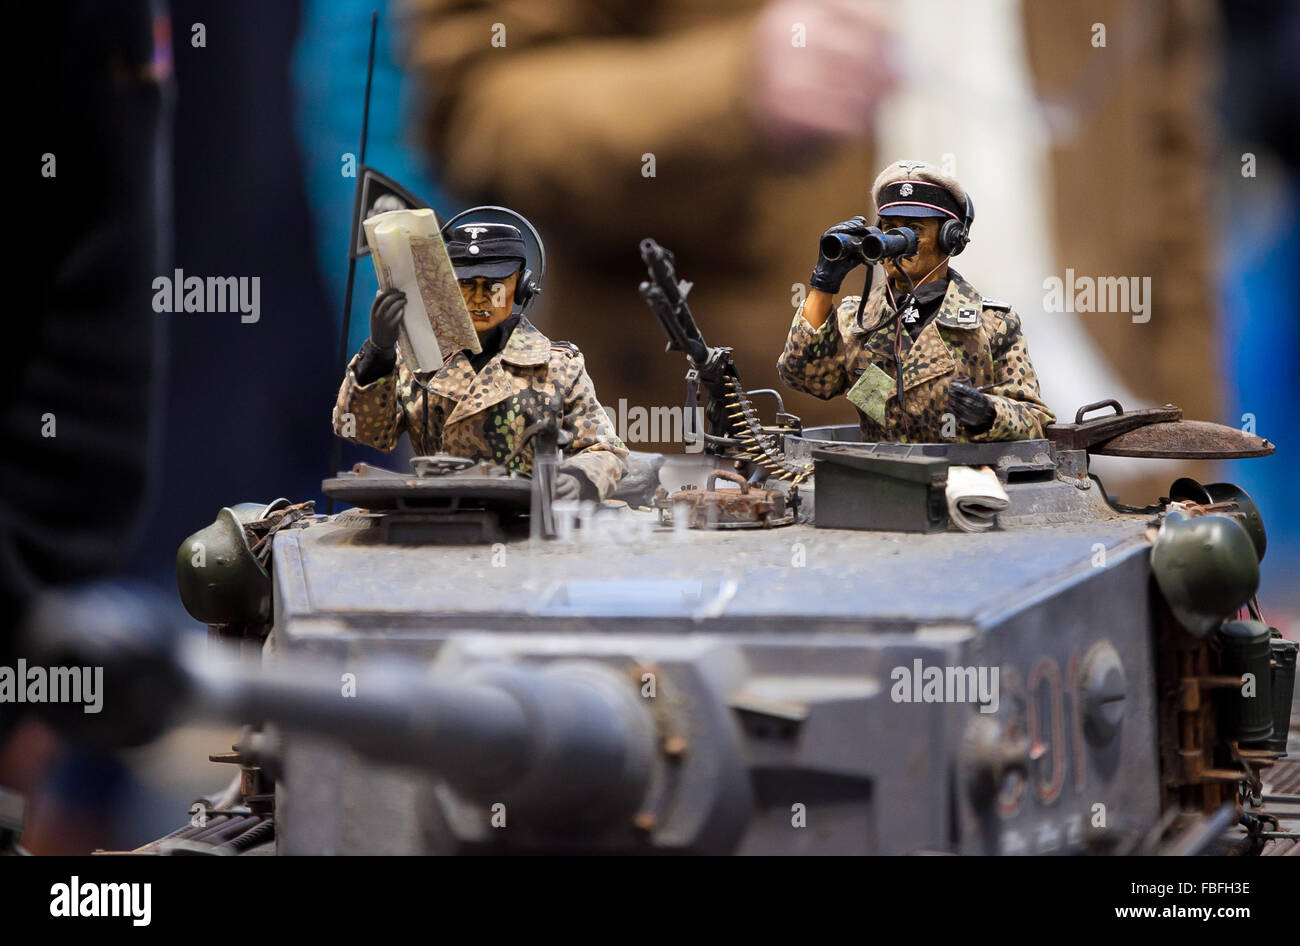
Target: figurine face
(489, 300)
(927, 249)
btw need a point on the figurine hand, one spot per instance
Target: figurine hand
(829, 274)
(972, 408)
(567, 486)
(385, 316)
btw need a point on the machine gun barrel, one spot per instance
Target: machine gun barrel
(663, 294)
(712, 368)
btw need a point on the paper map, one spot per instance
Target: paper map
(409, 254)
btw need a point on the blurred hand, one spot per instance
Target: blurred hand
(972, 408)
(829, 88)
(567, 486)
(385, 316)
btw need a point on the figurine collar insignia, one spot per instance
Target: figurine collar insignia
(958, 295)
(961, 306)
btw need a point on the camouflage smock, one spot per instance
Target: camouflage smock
(968, 336)
(454, 410)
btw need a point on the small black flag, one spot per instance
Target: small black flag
(378, 193)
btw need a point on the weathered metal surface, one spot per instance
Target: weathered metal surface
(746, 507)
(1185, 440)
(1082, 435)
(787, 641)
(1009, 459)
(728, 619)
(946, 576)
(859, 488)
(439, 482)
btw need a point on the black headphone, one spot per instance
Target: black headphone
(954, 235)
(526, 289)
(528, 286)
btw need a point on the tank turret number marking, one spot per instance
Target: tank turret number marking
(1045, 714)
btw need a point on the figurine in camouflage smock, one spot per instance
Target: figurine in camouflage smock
(970, 337)
(927, 359)
(488, 403)
(482, 415)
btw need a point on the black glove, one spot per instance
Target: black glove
(972, 408)
(829, 274)
(385, 317)
(377, 355)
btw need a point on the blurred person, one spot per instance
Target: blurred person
(94, 192)
(924, 358)
(94, 237)
(93, 187)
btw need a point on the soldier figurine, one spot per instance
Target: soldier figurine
(926, 358)
(480, 405)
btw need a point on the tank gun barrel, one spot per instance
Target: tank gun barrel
(563, 740)
(390, 714)
(568, 742)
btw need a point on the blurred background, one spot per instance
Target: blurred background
(1147, 138)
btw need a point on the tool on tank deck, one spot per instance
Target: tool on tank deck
(746, 507)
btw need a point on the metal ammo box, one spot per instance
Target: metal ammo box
(857, 489)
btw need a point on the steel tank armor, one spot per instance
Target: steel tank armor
(794, 689)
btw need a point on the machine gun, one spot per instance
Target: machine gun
(733, 426)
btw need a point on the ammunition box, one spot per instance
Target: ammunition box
(860, 490)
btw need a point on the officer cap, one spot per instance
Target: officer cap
(917, 189)
(490, 250)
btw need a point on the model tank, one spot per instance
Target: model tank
(777, 645)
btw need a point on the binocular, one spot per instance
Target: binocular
(871, 245)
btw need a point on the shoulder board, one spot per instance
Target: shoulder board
(571, 348)
(995, 304)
